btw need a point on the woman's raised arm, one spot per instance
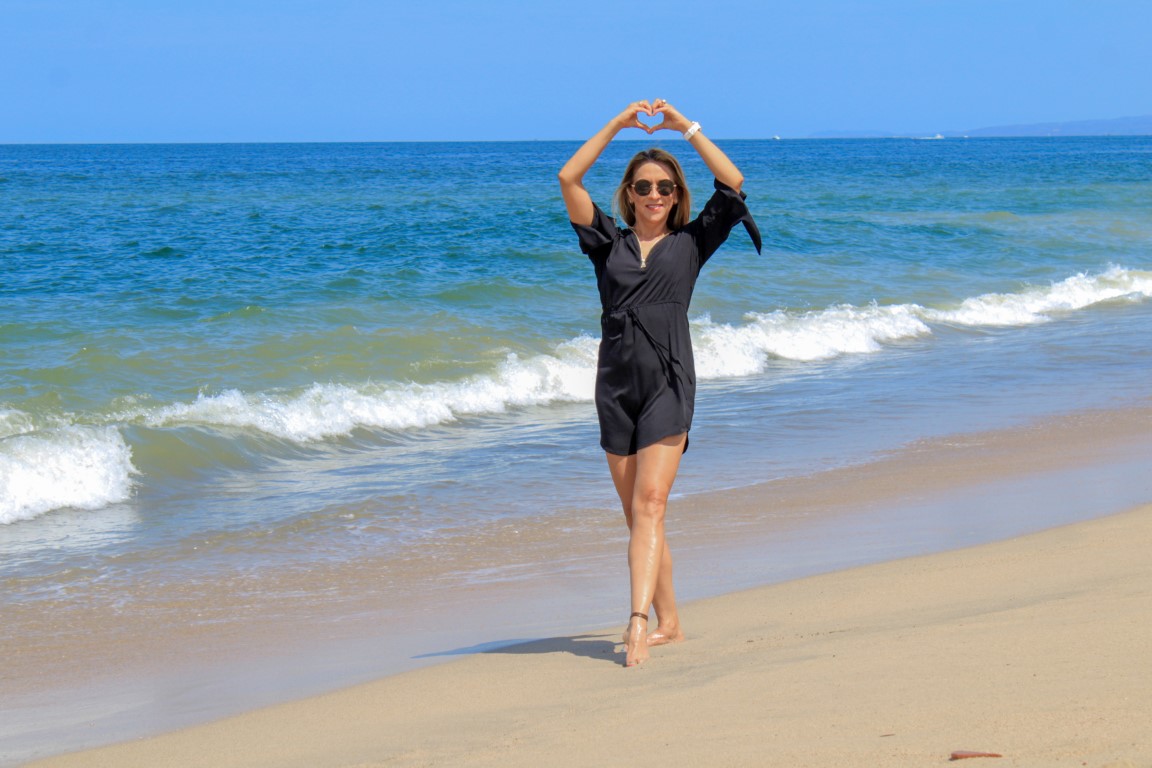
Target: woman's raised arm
(722, 168)
(576, 198)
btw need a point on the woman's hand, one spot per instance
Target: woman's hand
(673, 120)
(630, 117)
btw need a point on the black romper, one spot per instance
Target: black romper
(646, 375)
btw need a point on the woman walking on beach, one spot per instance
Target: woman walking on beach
(646, 378)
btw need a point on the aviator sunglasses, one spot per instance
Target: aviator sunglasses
(643, 187)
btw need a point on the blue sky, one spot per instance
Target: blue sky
(355, 70)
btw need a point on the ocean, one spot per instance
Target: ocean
(244, 365)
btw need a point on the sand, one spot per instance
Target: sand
(1035, 648)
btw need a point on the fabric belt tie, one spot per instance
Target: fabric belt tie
(667, 361)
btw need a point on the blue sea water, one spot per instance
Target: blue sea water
(181, 323)
(225, 358)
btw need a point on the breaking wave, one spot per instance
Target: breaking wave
(51, 463)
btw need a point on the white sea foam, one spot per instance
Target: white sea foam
(82, 467)
(724, 350)
(568, 374)
(1038, 304)
(328, 410)
(14, 422)
(728, 350)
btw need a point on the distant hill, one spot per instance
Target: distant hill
(1120, 126)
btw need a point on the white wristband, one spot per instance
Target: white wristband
(692, 131)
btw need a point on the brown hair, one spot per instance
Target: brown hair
(680, 213)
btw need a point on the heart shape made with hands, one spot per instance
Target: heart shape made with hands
(648, 122)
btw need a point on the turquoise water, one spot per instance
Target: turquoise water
(302, 353)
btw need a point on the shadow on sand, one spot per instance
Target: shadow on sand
(598, 647)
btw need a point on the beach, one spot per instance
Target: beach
(1029, 647)
(281, 420)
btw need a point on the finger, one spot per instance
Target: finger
(634, 110)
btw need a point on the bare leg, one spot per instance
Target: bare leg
(668, 629)
(643, 483)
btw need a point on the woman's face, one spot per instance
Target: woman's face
(653, 208)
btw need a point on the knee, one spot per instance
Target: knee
(650, 503)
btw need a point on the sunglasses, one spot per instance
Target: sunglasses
(644, 187)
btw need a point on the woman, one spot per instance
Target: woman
(645, 379)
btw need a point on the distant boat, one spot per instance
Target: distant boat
(777, 138)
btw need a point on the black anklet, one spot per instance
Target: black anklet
(638, 615)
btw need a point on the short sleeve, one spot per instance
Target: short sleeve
(721, 213)
(599, 235)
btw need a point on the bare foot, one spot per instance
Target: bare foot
(635, 643)
(665, 634)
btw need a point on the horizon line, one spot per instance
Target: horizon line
(845, 137)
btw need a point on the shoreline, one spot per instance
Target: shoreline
(1001, 648)
(916, 492)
